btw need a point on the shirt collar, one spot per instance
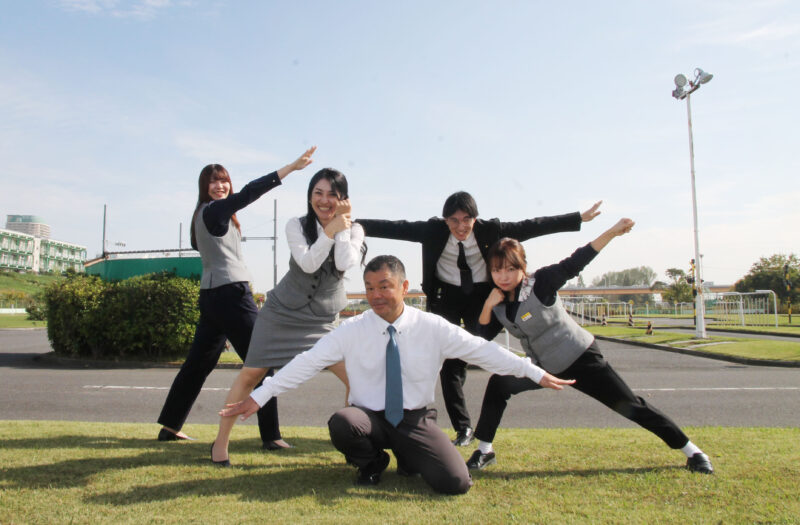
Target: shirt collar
(525, 288)
(469, 241)
(403, 320)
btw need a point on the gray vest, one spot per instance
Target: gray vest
(549, 335)
(323, 291)
(221, 256)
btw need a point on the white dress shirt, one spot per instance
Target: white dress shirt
(346, 246)
(425, 340)
(447, 266)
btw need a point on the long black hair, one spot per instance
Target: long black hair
(338, 184)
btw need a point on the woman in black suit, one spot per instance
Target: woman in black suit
(529, 308)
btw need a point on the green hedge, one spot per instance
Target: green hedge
(150, 316)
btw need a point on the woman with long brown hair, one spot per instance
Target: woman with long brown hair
(227, 309)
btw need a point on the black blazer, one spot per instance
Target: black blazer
(433, 235)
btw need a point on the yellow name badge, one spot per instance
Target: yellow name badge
(526, 316)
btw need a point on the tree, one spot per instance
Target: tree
(641, 276)
(679, 290)
(768, 274)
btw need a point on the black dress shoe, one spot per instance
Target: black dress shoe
(479, 460)
(464, 437)
(699, 462)
(271, 445)
(225, 463)
(166, 435)
(371, 474)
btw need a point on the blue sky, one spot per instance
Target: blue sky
(536, 108)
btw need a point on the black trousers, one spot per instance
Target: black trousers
(454, 305)
(595, 378)
(227, 312)
(417, 443)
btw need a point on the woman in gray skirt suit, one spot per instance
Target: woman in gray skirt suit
(304, 305)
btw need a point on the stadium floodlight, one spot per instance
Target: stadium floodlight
(681, 92)
(701, 77)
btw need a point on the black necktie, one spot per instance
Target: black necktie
(463, 267)
(393, 407)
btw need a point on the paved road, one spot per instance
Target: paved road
(693, 390)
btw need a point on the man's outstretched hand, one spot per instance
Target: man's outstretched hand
(247, 407)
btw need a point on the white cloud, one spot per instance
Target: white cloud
(141, 9)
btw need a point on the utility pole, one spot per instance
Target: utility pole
(105, 206)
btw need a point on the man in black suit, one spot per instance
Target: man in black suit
(455, 278)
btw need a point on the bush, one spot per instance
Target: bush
(150, 316)
(36, 307)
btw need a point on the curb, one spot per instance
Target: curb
(697, 353)
(51, 358)
(749, 332)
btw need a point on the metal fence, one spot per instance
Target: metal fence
(587, 313)
(759, 308)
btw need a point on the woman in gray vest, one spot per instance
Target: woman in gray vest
(304, 305)
(227, 309)
(528, 307)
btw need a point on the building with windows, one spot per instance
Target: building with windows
(29, 253)
(16, 250)
(30, 224)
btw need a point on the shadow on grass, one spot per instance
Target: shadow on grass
(75, 472)
(326, 483)
(585, 473)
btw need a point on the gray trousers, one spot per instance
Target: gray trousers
(419, 445)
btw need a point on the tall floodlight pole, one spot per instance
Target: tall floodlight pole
(682, 92)
(105, 206)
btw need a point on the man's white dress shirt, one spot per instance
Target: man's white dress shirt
(424, 339)
(447, 266)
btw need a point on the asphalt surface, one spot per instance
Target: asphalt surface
(694, 391)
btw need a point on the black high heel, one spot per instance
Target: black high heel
(166, 435)
(223, 463)
(272, 445)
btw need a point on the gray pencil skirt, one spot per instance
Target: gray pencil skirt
(280, 334)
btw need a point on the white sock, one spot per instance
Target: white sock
(484, 447)
(690, 449)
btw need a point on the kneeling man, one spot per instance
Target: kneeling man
(392, 354)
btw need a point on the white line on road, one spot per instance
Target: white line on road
(118, 387)
(717, 389)
(690, 389)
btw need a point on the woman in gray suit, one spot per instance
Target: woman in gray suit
(304, 305)
(528, 306)
(227, 309)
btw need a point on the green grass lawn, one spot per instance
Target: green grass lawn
(734, 346)
(19, 321)
(66, 472)
(26, 282)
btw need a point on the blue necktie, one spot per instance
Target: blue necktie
(394, 383)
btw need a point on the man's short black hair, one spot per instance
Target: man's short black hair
(390, 262)
(460, 201)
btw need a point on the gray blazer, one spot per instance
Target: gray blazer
(323, 291)
(550, 337)
(221, 256)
